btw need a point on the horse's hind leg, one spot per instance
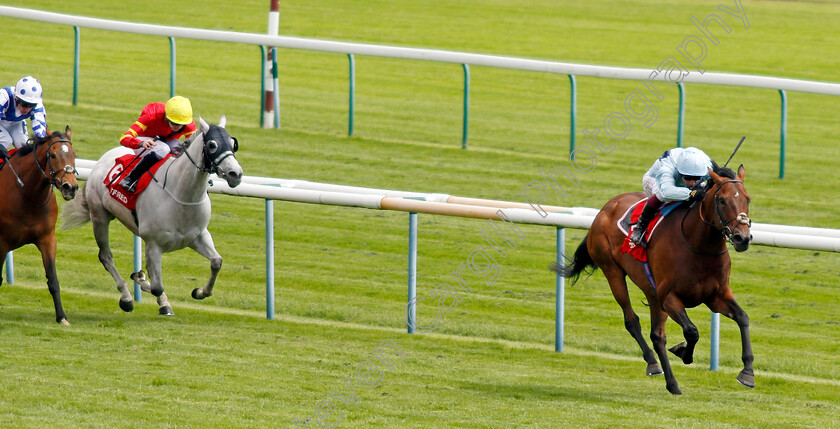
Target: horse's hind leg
(47, 246)
(100, 232)
(204, 246)
(685, 349)
(727, 306)
(618, 284)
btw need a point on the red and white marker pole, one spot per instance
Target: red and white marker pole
(271, 81)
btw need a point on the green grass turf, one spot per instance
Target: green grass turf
(341, 276)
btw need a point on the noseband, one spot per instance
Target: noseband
(725, 230)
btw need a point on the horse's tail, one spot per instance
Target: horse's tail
(76, 212)
(582, 262)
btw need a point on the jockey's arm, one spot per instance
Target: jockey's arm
(669, 189)
(39, 121)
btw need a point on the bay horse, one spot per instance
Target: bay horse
(689, 260)
(28, 209)
(171, 214)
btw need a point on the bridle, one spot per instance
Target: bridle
(52, 178)
(67, 169)
(725, 230)
(211, 162)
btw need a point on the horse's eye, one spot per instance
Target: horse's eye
(52, 155)
(212, 146)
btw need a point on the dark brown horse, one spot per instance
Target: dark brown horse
(690, 264)
(28, 210)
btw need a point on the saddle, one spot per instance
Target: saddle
(122, 166)
(3, 161)
(630, 216)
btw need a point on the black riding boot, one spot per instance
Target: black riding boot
(129, 183)
(648, 213)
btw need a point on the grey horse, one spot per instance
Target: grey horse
(171, 214)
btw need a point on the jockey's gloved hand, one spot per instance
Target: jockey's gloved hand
(4, 153)
(697, 194)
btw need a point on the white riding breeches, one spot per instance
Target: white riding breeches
(13, 134)
(160, 148)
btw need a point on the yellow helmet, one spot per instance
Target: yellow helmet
(179, 110)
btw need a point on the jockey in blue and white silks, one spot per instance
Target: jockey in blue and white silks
(673, 177)
(18, 103)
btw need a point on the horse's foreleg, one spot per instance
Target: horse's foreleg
(106, 258)
(618, 285)
(657, 336)
(3, 252)
(685, 349)
(164, 309)
(154, 257)
(47, 246)
(204, 246)
(727, 306)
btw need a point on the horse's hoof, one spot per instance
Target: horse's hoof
(675, 390)
(64, 322)
(196, 294)
(166, 311)
(680, 351)
(654, 369)
(748, 380)
(127, 306)
(139, 276)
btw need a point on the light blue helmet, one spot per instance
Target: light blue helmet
(693, 162)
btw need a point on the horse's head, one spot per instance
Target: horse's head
(219, 152)
(60, 164)
(728, 203)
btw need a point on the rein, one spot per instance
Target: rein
(725, 230)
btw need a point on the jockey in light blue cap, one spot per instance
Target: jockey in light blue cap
(678, 175)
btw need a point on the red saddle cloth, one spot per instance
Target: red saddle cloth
(629, 218)
(121, 168)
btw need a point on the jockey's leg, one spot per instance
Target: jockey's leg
(6, 142)
(652, 205)
(158, 152)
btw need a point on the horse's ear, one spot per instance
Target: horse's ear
(741, 172)
(67, 131)
(223, 121)
(204, 127)
(714, 176)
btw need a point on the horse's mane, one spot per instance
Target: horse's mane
(29, 148)
(723, 171)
